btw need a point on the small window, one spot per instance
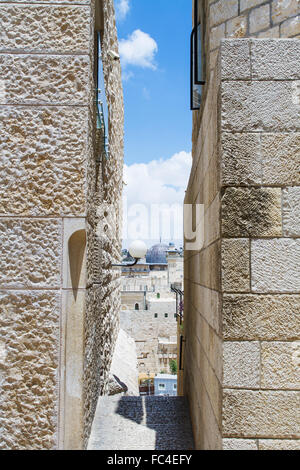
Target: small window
(136, 307)
(174, 386)
(155, 315)
(166, 315)
(175, 315)
(158, 295)
(161, 386)
(197, 58)
(199, 45)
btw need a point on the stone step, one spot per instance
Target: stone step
(137, 423)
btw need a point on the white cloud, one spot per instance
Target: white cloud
(157, 182)
(146, 93)
(127, 75)
(122, 8)
(139, 49)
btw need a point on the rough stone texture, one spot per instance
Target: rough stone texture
(246, 4)
(291, 211)
(36, 28)
(278, 59)
(278, 444)
(104, 216)
(31, 79)
(267, 317)
(261, 414)
(245, 107)
(246, 155)
(282, 9)
(237, 27)
(235, 60)
(251, 212)
(49, 149)
(241, 159)
(280, 365)
(236, 265)
(31, 253)
(239, 444)
(275, 265)
(215, 36)
(141, 423)
(222, 11)
(29, 335)
(241, 363)
(290, 27)
(281, 158)
(202, 373)
(270, 33)
(209, 301)
(43, 153)
(211, 222)
(259, 19)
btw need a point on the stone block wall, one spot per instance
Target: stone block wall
(243, 18)
(202, 375)
(50, 322)
(237, 19)
(241, 367)
(260, 254)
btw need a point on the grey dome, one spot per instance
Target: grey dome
(157, 254)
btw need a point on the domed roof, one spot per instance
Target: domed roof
(157, 254)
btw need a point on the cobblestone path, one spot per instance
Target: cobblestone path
(141, 423)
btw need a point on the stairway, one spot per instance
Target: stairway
(141, 423)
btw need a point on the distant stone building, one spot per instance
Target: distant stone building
(59, 218)
(149, 307)
(242, 288)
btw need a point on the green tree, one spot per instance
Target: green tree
(173, 367)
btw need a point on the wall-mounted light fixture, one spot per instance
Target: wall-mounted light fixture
(137, 250)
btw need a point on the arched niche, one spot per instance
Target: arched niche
(77, 259)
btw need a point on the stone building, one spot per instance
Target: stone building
(59, 218)
(149, 307)
(242, 288)
(155, 338)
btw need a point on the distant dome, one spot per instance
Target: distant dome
(157, 254)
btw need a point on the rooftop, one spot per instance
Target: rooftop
(166, 376)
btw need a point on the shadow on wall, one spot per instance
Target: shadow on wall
(77, 254)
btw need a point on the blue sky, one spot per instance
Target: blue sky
(157, 115)
(154, 41)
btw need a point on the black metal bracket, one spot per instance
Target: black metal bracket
(126, 265)
(180, 351)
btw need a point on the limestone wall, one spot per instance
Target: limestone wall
(48, 222)
(238, 19)
(260, 156)
(104, 218)
(241, 368)
(202, 290)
